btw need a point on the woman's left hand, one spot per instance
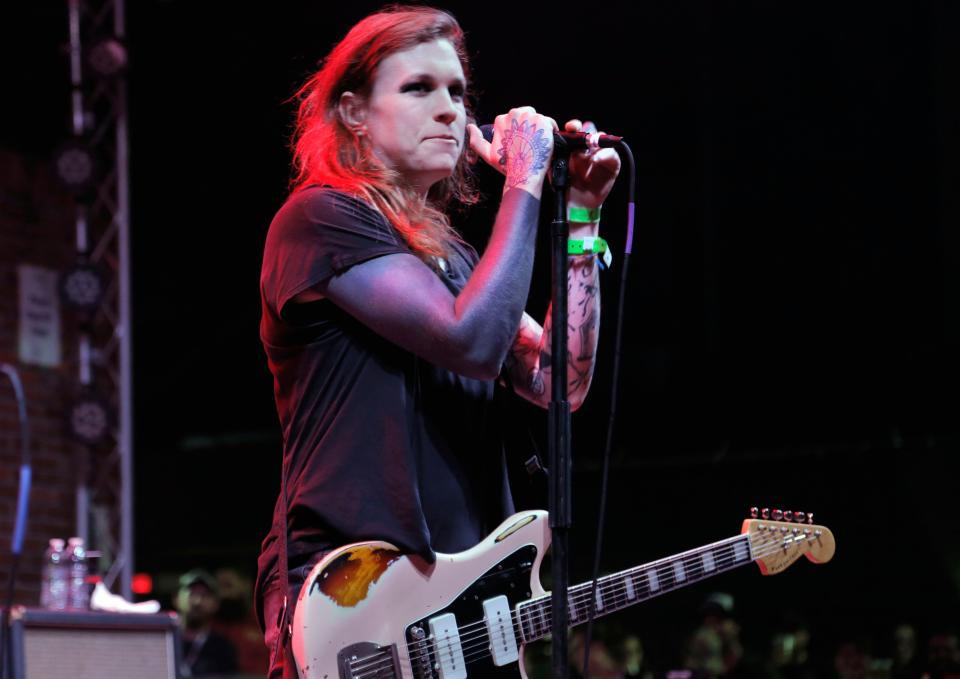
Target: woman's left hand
(591, 174)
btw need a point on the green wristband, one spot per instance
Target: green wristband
(583, 215)
(590, 246)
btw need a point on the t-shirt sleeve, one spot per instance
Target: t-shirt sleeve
(317, 234)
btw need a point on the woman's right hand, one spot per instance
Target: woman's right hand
(521, 148)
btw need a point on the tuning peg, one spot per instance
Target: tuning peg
(800, 516)
(754, 512)
(765, 513)
(777, 515)
(788, 516)
(809, 517)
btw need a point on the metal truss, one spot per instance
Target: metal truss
(104, 492)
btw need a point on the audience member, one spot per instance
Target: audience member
(204, 653)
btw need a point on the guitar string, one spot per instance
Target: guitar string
(476, 645)
(475, 651)
(472, 652)
(615, 582)
(605, 582)
(613, 586)
(386, 660)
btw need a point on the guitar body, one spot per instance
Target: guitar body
(365, 610)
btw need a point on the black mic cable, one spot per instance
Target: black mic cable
(23, 501)
(614, 388)
(578, 141)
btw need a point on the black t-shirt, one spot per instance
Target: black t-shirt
(378, 443)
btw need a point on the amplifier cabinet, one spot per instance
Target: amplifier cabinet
(91, 645)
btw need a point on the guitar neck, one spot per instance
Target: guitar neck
(620, 590)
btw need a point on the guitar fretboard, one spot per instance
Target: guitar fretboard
(634, 585)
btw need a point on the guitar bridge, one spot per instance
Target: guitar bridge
(420, 654)
(367, 660)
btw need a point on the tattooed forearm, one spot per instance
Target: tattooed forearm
(536, 382)
(540, 373)
(584, 323)
(523, 151)
(531, 363)
(588, 341)
(524, 346)
(579, 375)
(585, 302)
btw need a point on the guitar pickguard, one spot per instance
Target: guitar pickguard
(510, 578)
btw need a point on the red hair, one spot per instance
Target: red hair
(327, 151)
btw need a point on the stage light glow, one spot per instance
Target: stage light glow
(76, 166)
(142, 583)
(108, 57)
(89, 420)
(82, 286)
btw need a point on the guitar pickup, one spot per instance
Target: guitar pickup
(499, 622)
(447, 648)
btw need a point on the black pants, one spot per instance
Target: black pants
(281, 658)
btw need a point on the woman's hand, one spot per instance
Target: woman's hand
(521, 148)
(591, 174)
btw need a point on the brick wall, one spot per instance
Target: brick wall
(36, 227)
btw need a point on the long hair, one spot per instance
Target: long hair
(327, 151)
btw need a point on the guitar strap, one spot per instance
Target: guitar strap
(285, 622)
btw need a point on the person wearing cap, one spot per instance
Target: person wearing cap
(204, 653)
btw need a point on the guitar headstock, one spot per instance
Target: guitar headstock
(779, 538)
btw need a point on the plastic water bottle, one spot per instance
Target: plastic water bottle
(53, 589)
(75, 556)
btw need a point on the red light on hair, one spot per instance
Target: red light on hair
(329, 152)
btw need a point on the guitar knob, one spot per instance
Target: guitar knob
(800, 516)
(765, 513)
(777, 515)
(754, 512)
(788, 516)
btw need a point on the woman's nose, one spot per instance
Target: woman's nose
(446, 110)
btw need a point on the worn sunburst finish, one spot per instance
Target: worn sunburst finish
(347, 579)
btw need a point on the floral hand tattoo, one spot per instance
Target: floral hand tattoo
(523, 151)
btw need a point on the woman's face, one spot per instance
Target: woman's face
(415, 117)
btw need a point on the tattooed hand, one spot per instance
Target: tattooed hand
(521, 148)
(592, 175)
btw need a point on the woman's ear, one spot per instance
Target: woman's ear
(353, 111)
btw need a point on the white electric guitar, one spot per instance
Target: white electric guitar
(366, 611)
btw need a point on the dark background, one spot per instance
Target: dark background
(792, 318)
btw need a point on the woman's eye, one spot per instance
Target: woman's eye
(415, 87)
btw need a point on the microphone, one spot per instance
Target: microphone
(570, 141)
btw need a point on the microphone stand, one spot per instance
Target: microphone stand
(559, 419)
